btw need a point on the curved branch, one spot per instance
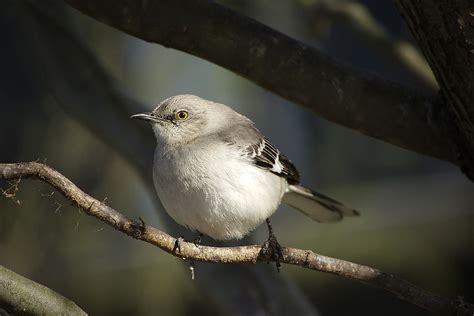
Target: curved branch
(20, 295)
(250, 254)
(300, 73)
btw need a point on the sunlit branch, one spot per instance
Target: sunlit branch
(243, 254)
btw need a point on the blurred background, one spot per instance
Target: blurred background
(67, 87)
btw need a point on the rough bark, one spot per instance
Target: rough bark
(444, 30)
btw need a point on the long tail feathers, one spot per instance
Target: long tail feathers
(315, 205)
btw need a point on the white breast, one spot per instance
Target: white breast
(215, 191)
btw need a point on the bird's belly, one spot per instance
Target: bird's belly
(223, 198)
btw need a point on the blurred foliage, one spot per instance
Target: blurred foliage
(417, 218)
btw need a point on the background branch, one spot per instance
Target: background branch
(19, 295)
(289, 68)
(303, 258)
(445, 32)
(358, 20)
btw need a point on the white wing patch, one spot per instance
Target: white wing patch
(277, 168)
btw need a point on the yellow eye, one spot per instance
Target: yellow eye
(182, 115)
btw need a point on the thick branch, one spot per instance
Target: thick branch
(297, 72)
(19, 295)
(251, 254)
(444, 30)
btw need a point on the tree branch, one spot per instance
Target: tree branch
(291, 69)
(243, 254)
(19, 295)
(444, 30)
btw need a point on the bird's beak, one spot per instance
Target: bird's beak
(147, 117)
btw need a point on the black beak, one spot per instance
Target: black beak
(147, 117)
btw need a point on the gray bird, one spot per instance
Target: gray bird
(216, 174)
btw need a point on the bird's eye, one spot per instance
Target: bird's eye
(182, 115)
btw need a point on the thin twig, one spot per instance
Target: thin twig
(10, 192)
(250, 254)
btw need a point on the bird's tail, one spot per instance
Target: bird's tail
(315, 205)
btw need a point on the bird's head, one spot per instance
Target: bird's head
(180, 119)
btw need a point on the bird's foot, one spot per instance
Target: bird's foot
(139, 228)
(271, 249)
(180, 240)
(177, 244)
(197, 241)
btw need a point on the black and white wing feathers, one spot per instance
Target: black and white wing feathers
(265, 155)
(258, 150)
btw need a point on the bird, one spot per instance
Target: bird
(216, 174)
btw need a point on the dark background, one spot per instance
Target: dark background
(67, 87)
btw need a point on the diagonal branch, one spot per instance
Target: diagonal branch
(364, 102)
(22, 296)
(444, 30)
(243, 254)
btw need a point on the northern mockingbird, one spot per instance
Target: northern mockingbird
(216, 174)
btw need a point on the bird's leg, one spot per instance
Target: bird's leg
(198, 239)
(271, 249)
(177, 244)
(197, 242)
